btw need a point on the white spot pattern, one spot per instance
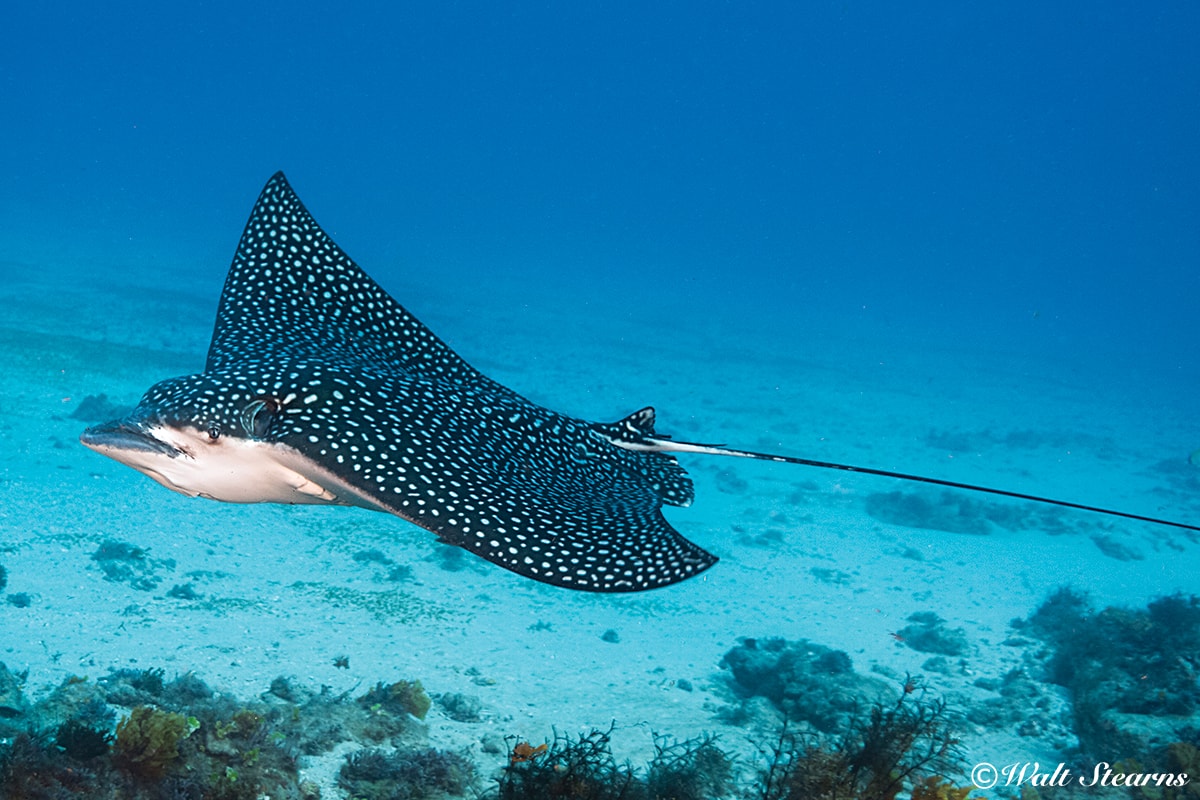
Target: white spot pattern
(349, 378)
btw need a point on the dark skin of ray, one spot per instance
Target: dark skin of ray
(320, 388)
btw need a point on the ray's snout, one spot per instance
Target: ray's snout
(123, 435)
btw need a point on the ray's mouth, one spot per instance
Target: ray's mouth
(127, 436)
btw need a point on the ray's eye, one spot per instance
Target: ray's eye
(257, 416)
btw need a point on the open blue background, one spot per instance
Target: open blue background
(1020, 173)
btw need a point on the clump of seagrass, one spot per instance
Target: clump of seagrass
(409, 773)
(584, 768)
(147, 742)
(892, 747)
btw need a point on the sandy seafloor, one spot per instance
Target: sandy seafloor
(281, 592)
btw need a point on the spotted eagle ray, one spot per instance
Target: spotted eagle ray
(320, 388)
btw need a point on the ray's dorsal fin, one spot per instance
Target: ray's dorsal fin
(633, 428)
(668, 480)
(292, 292)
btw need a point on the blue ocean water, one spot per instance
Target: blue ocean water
(1016, 172)
(961, 203)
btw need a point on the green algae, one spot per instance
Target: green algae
(390, 605)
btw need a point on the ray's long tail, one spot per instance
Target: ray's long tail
(660, 445)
